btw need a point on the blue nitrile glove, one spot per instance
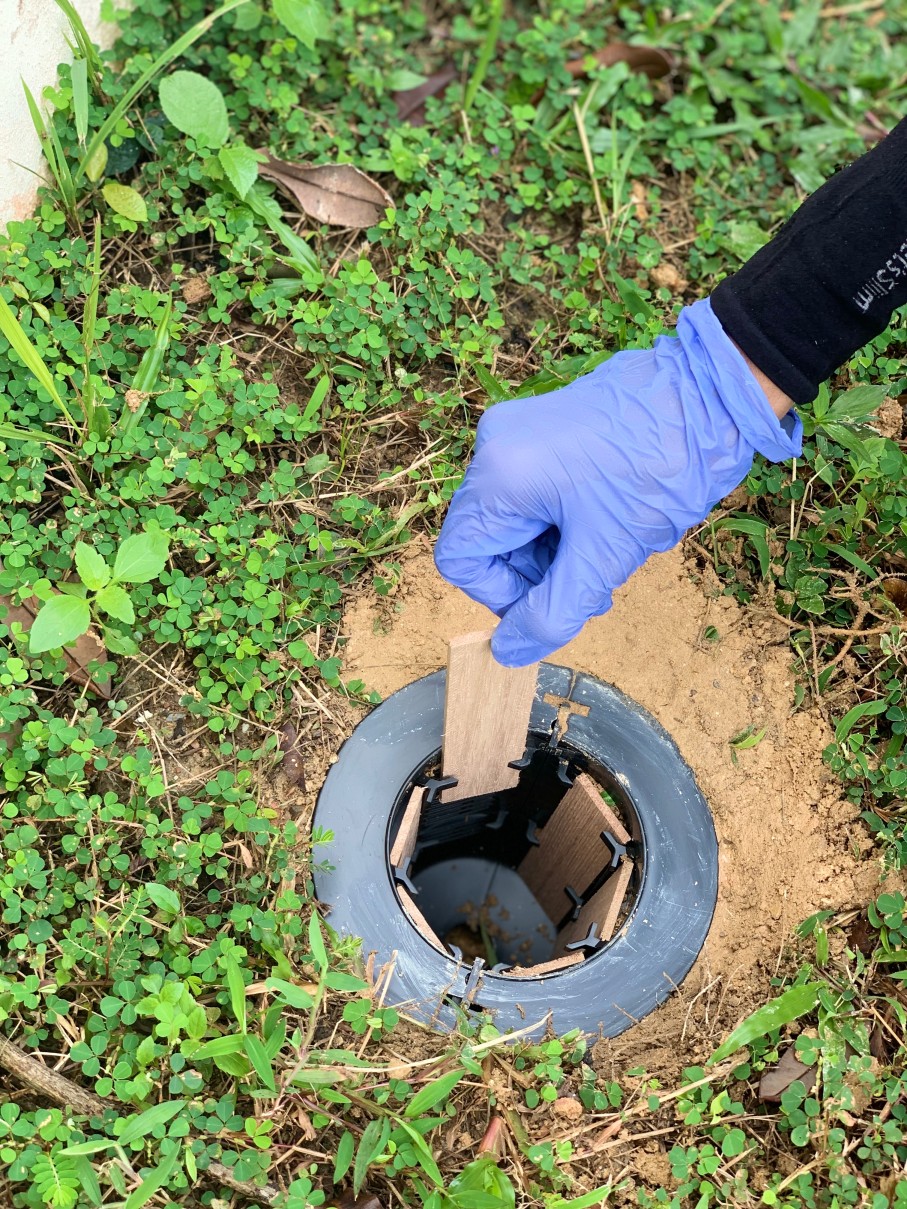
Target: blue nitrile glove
(568, 493)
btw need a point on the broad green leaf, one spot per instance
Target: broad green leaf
(338, 981)
(125, 200)
(856, 404)
(93, 571)
(115, 602)
(149, 1120)
(196, 106)
(866, 709)
(141, 557)
(241, 166)
(221, 1047)
(237, 989)
(163, 897)
(372, 1142)
(96, 164)
(789, 1005)
(119, 644)
(60, 621)
(316, 940)
(344, 1155)
(306, 20)
(155, 1180)
(434, 1093)
(248, 16)
(258, 1056)
(401, 79)
(293, 995)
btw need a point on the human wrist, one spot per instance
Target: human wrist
(778, 401)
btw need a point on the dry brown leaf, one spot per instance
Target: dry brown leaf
(347, 1200)
(651, 61)
(776, 1081)
(292, 756)
(337, 194)
(86, 649)
(411, 101)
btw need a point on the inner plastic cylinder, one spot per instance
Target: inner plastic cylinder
(480, 895)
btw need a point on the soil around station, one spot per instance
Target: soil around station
(707, 669)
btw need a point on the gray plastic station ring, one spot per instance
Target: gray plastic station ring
(676, 865)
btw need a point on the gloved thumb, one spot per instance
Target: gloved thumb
(552, 612)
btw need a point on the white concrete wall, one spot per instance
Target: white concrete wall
(33, 38)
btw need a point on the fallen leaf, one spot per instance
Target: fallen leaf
(86, 649)
(292, 756)
(649, 60)
(337, 194)
(777, 1080)
(348, 1200)
(411, 101)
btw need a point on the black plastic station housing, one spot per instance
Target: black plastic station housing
(675, 881)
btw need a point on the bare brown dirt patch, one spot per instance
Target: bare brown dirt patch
(790, 844)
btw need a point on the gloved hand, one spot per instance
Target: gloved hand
(568, 493)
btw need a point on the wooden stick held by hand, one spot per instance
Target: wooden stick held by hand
(486, 717)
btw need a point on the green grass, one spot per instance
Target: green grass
(215, 368)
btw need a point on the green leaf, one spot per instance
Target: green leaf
(372, 1142)
(237, 989)
(163, 897)
(788, 1006)
(26, 351)
(96, 164)
(483, 1176)
(93, 571)
(306, 20)
(258, 1056)
(125, 200)
(316, 940)
(426, 1159)
(149, 1120)
(60, 621)
(344, 1155)
(155, 1180)
(338, 981)
(756, 531)
(196, 106)
(248, 16)
(78, 76)
(141, 557)
(589, 1200)
(434, 1093)
(401, 79)
(221, 1047)
(856, 404)
(119, 644)
(114, 601)
(293, 995)
(240, 163)
(866, 709)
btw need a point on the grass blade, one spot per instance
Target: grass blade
(488, 47)
(789, 1005)
(29, 355)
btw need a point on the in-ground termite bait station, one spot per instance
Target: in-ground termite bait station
(580, 896)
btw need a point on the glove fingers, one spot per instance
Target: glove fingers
(552, 612)
(492, 556)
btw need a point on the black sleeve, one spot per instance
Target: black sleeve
(830, 279)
